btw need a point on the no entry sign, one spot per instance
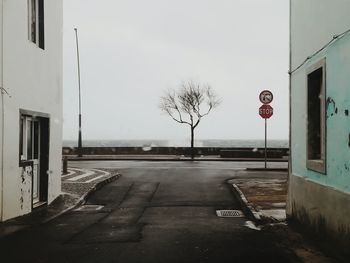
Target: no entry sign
(265, 111)
(266, 97)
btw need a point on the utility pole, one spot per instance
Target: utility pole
(80, 150)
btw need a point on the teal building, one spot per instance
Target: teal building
(319, 180)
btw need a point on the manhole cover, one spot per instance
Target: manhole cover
(87, 208)
(229, 213)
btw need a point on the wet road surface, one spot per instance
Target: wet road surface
(156, 212)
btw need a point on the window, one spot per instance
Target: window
(36, 22)
(316, 121)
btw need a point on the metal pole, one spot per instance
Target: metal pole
(65, 165)
(265, 143)
(80, 152)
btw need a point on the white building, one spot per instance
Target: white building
(319, 182)
(30, 105)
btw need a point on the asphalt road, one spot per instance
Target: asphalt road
(156, 212)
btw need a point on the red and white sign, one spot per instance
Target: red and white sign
(265, 111)
(266, 97)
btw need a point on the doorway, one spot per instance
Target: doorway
(34, 148)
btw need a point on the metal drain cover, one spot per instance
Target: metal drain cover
(229, 213)
(88, 208)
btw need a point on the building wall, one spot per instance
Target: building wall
(1, 110)
(33, 78)
(313, 23)
(316, 199)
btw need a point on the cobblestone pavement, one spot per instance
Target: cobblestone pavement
(79, 181)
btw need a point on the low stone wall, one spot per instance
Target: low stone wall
(223, 152)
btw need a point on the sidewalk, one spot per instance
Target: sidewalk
(77, 185)
(263, 195)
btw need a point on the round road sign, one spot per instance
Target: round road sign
(266, 97)
(265, 111)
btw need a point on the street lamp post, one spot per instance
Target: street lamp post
(80, 151)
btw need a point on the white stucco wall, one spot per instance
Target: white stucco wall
(33, 78)
(1, 111)
(313, 24)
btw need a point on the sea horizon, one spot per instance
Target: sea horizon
(279, 143)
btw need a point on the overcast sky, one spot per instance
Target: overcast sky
(133, 50)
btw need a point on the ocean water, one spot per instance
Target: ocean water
(177, 143)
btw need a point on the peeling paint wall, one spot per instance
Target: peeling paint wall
(33, 78)
(319, 200)
(26, 190)
(337, 118)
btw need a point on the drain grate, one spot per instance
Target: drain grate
(229, 213)
(88, 208)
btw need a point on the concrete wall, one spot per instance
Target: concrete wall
(321, 210)
(237, 152)
(33, 78)
(314, 197)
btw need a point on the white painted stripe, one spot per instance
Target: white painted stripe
(76, 178)
(101, 171)
(174, 168)
(76, 169)
(94, 179)
(68, 174)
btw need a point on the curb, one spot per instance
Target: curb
(248, 209)
(85, 196)
(267, 169)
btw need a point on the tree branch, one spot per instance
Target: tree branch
(189, 100)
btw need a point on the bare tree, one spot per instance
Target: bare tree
(189, 105)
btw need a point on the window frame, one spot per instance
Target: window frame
(38, 13)
(23, 114)
(317, 165)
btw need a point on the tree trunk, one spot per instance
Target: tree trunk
(192, 142)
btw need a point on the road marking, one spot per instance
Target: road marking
(76, 178)
(86, 173)
(68, 174)
(170, 168)
(102, 172)
(94, 179)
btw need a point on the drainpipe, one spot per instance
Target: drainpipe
(2, 109)
(290, 85)
(289, 206)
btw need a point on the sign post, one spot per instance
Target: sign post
(266, 111)
(265, 143)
